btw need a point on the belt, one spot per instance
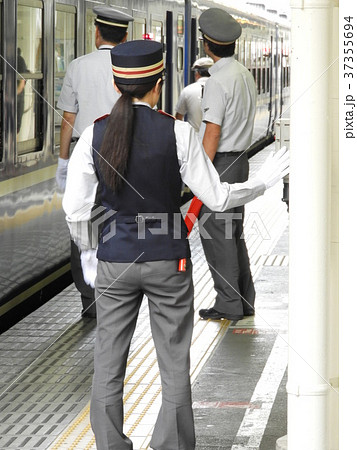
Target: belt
(140, 218)
(227, 154)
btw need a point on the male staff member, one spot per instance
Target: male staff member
(190, 98)
(88, 93)
(228, 106)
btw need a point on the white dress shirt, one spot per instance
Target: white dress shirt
(229, 100)
(190, 101)
(88, 89)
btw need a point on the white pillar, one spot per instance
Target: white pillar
(307, 385)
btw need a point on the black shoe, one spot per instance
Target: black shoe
(250, 312)
(88, 314)
(211, 313)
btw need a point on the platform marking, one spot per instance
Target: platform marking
(255, 420)
(246, 331)
(224, 405)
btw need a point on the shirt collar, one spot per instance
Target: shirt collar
(105, 47)
(142, 104)
(219, 64)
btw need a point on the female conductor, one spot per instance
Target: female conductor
(124, 179)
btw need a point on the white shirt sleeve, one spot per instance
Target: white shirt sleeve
(198, 172)
(81, 180)
(181, 105)
(214, 103)
(67, 100)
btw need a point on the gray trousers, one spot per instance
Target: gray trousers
(119, 291)
(228, 256)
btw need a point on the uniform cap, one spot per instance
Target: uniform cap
(112, 17)
(219, 27)
(137, 62)
(202, 63)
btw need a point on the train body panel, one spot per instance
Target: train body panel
(38, 40)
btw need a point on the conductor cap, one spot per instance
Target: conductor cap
(137, 62)
(202, 63)
(112, 17)
(219, 27)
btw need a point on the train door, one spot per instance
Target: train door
(65, 50)
(270, 83)
(285, 75)
(23, 106)
(157, 34)
(181, 57)
(30, 85)
(169, 62)
(193, 49)
(281, 76)
(276, 71)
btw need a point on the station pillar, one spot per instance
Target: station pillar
(308, 385)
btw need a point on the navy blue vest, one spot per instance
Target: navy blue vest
(144, 221)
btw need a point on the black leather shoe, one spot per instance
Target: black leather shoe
(212, 314)
(89, 314)
(250, 312)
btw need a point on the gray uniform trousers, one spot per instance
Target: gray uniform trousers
(119, 291)
(228, 256)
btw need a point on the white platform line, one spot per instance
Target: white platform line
(255, 420)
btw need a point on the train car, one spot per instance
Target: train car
(39, 38)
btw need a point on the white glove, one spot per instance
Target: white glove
(61, 173)
(275, 167)
(89, 264)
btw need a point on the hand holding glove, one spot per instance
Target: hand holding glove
(89, 264)
(275, 167)
(61, 173)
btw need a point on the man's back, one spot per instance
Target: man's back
(230, 101)
(88, 88)
(190, 102)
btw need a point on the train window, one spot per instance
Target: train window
(254, 73)
(253, 53)
(157, 31)
(179, 58)
(29, 76)
(283, 77)
(201, 48)
(258, 80)
(241, 56)
(180, 24)
(90, 31)
(65, 52)
(248, 59)
(139, 29)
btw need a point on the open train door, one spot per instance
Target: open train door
(169, 62)
(193, 48)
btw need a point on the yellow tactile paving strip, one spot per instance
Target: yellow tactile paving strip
(142, 391)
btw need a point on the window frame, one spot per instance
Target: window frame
(70, 9)
(24, 149)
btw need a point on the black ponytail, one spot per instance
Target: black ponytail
(116, 145)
